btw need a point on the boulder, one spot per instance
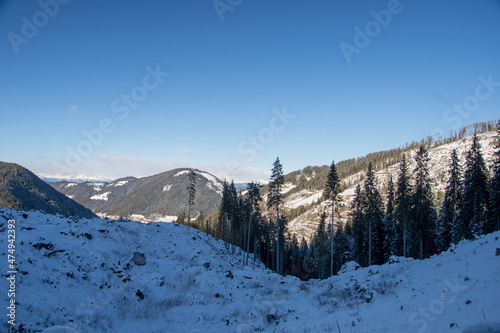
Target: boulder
(139, 259)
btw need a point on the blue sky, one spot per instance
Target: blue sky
(247, 81)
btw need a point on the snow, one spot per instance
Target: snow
(180, 173)
(79, 275)
(213, 183)
(166, 188)
(348, 192)
(97, 186)
(287, 187)
(71, 184)
(101, 196)
(120, 183)
(137, 217)
(304, 197)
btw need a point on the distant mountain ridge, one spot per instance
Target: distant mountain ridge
(21, 189)
(158, 197)
(50, 178)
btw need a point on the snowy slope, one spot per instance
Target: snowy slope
(81, 274)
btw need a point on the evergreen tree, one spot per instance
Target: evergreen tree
(475, 195)
(295, 256)
(494, 186)
(254, 200)
(181, 218)
(275, 199)
(191, 193)
(423, 228)
(390, 222)
(341, 250)
(232, 210)
(402, 211)
(373, 215)
(358, 228)
(451, 204)
(332, 188)
(321, 248)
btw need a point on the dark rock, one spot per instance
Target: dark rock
(139, 259)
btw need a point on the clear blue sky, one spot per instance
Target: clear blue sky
(231, 69)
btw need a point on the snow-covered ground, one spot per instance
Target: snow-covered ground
(81, 274)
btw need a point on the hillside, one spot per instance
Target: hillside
(303, 190)
(23, 190)
(159, 197)
(81, 274)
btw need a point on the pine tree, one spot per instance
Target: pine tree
(475, 195)
(294, 254)
(321, 247)
(390, 222)
(402, 211)
(373, 215)
(494, 187)
(232, 210)
(451, 204)
(341, 250)
(332, 188)
(275, 199)
(191, 193)
(423, 228)
(181, 218)
(358, 228)
(254, 200)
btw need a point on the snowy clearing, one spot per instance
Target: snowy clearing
(84, 275)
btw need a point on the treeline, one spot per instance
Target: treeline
(408, 225)
(313, 177)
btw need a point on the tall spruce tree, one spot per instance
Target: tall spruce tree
(451, 204)
(358, 228)
(390, 222)
(191, 193)
(373, 215)
(494, 185)
(423, 228)
(321, 248)
(254, 200)
(275, 199)
(332, 188)
(475, 195)
(402, 211)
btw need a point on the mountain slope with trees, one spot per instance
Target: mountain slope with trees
(21, 189)
(158, 197)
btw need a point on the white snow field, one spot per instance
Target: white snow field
(80, 275)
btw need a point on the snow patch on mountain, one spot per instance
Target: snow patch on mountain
(180, 173)
(120, 183)
(101, 196)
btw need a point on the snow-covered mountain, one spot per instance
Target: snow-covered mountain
(51, 178)
(159, 197)
(311, 202)
(108, 276)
